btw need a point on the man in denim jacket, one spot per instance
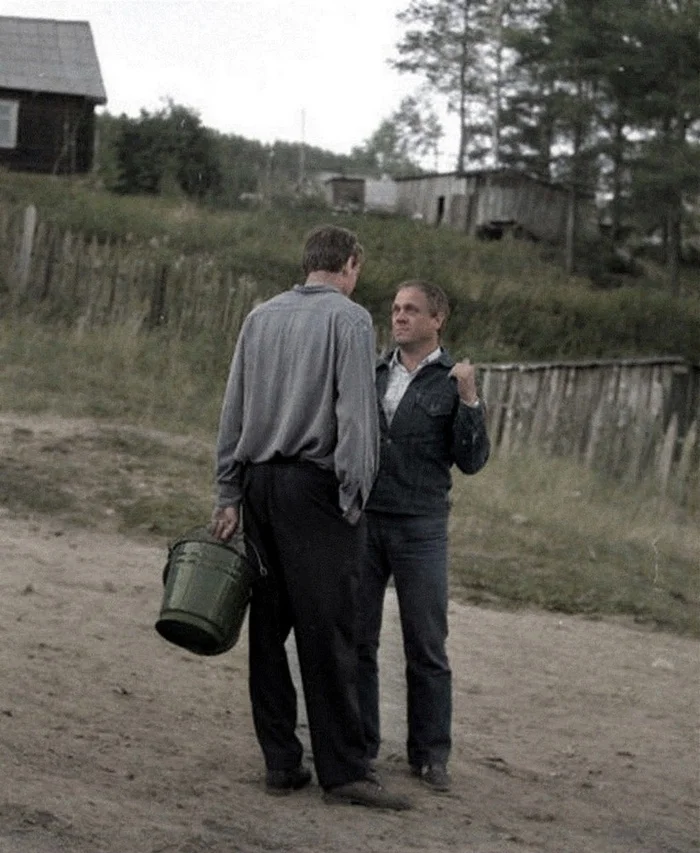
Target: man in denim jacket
(431, 418)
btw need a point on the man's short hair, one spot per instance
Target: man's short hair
(438, 303)
(328, 247)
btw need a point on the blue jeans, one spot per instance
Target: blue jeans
(414, 550)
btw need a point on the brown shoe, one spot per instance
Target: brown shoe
(365, 792)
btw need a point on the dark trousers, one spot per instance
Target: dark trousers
(414, 550)
(313, 557)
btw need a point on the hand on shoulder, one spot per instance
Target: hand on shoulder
(465, 374)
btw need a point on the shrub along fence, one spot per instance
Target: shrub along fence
(628, 417)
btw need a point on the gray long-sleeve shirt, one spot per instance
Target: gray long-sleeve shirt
(301, 385)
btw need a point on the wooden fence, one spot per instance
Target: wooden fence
(629, 417)
(54, 272)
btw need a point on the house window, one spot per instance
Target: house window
(8, 123)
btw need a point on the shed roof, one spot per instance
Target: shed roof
(478, 173)
(345, 179)
(499, 171)
(43, 55)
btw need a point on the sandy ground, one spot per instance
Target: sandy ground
(570, 735)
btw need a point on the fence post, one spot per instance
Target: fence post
(665, 458)
(25, 252)
(157, 310)
(685, 463)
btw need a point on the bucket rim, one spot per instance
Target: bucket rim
(235, 545)
(201, 533)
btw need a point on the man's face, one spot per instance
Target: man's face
(411, 321)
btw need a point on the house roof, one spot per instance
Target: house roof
(42, 55)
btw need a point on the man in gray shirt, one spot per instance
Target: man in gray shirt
(298, 450)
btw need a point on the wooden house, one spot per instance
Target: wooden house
(50, 83)
(380, 195)
(488, 203)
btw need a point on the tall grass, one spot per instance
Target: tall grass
(548, 533)
(527, 530)
(119, 372)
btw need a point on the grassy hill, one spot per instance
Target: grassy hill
(511, 300)
(527, 531)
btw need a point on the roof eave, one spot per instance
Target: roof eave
(98, 100)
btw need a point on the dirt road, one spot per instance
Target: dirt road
(570, 735)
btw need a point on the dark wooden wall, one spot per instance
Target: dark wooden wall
(348, 193)
(55, 134)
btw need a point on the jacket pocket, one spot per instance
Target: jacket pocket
(436, 405)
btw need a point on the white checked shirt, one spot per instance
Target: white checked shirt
(400, 379)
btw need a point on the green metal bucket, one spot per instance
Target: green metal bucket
(208, 585)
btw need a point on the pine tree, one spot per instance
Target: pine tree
(404, 140)
(665, 169)
(606, 97)
(443, 43)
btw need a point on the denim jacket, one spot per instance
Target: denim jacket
(431, 431)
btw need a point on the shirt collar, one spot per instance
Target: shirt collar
(317, 288)
(429, 359)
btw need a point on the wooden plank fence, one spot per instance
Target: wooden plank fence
(59, 274)
(630, 417)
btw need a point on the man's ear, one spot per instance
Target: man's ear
(349, 266)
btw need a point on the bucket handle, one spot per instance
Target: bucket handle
(262, 570)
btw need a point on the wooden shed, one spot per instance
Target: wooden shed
(50, 83)
(488, 203)
(346, 193)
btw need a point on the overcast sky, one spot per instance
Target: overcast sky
(263, 69)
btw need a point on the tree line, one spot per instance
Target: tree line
(602, 96)
(170, 152)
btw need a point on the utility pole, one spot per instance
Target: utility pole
(302, 153)
(268, 176)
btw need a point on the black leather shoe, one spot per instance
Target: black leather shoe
(433, 776)
(372, 772)
(286, 781)
(365, 792)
